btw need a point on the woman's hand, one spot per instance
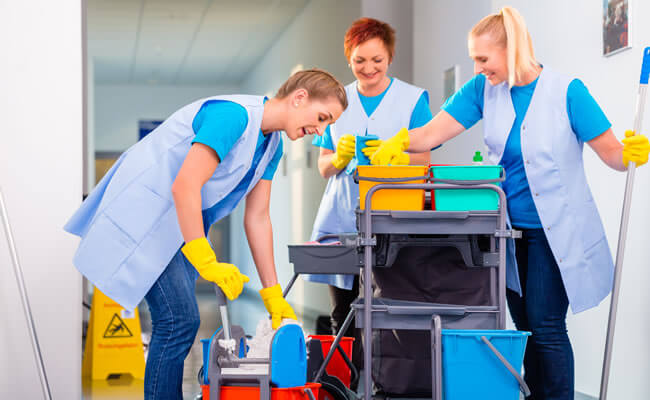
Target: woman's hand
(344, 151)
(635, 149)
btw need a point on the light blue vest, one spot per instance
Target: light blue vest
(128, 225)
(554, 168)
(341, 198)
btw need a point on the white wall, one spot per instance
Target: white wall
(314, 39)
(567, 37)
(440, 41)
(41, 176)
(119, 107)
(399, 14)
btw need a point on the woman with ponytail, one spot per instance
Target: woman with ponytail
(536, 121)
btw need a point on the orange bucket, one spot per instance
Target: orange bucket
(392, 199)
(337, 366)
(253, 392)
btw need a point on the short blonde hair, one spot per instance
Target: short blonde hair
(319, 83)
(508, 29)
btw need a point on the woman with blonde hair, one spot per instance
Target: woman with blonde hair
(143, 228)
(536, 121)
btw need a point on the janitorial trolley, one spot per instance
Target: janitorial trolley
(468, 341)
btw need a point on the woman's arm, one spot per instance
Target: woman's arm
(420, 158)
(609, 149)
(325, 166)
(257, 224)
(434, 133)
(198, 167)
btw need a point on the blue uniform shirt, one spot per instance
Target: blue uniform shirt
(420, 116)
(587, 122)
(219, 124)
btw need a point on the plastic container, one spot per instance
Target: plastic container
(466, 199)
(392, 199)
(253, 392)
(470, 370)
(337, 366)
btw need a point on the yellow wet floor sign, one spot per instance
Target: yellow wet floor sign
(113, 342)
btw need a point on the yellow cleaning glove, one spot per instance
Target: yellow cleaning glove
(344, 151)
(371, 147)
(391, 151)
(635, 149)
(276, 305)
(226, 276)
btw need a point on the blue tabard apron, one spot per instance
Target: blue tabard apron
(128, 225)
(554, 168)
(341, 197)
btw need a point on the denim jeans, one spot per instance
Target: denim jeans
(548, 361)
(175, 319)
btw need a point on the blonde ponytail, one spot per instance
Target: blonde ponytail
(508, 29)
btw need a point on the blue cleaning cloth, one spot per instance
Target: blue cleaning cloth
(359, 158)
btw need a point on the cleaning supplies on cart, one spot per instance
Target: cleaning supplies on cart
(477, 159)
(259, 346)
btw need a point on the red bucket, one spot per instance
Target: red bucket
(253, 392)
(337, 366)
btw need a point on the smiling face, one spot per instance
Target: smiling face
(310, 117)
(490, 58)
(369, 62)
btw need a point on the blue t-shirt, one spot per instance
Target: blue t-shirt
(219, 124)
(421, 115)
(587, 122)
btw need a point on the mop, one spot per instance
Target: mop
(627, 200)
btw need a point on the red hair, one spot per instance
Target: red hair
(365, 29)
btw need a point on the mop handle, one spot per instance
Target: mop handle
(622, 235)
(18, 271)
(222, 302)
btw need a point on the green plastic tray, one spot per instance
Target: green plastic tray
(466, 199)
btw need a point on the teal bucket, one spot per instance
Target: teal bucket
(466, 199)
(471, 370)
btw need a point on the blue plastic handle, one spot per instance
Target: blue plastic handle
(645, 68)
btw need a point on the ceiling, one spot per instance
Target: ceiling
(183, 42)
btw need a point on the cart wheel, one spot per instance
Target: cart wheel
(334, 389)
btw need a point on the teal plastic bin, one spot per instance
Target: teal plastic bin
(471, 370)
(466, 199)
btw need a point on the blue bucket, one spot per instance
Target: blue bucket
(472, 370)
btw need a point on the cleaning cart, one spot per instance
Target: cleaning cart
(392, 215)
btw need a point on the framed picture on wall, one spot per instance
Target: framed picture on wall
(616, 28)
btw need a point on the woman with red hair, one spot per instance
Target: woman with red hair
(378, 105)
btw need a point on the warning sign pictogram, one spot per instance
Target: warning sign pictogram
(117, 328)
(113, 341)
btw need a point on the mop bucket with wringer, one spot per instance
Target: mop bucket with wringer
(483, 364)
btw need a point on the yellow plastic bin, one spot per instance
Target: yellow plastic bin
(393, 199)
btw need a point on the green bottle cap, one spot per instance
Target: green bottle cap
(477, 157)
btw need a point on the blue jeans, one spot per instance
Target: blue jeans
(542, 310)
(175, 319)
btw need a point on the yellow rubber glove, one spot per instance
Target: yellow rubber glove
(371, 147)
(391, 151)
(344, 151)
(226, 276)
(635, 149)
(276, 305)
